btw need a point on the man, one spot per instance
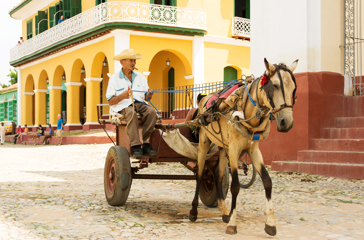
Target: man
(47, 136)
(60, 20)
(118, 97)
(2, 133)
(40, 132)
(59, 129)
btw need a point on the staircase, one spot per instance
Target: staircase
(340, 151)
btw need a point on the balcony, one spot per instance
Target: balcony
(241, 28)
(113, 12)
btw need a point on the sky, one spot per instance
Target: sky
(10, 34)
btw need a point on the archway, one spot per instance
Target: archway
(161, 77)
(58, 95)
(28, 101)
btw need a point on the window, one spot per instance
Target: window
(242, 8)
(41, 22)
(164, 2)
(30, 29)
(99, 2)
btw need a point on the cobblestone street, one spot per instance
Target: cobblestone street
(57, 192)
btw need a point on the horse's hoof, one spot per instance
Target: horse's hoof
(192, 218)
(231, 230)
(226, 218)
(271, 230)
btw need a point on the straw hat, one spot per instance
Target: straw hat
(127, 54)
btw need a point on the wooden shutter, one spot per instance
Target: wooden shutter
(75, 7)
(36, 24)
(30, 29)
(51, 12)
(66, 8)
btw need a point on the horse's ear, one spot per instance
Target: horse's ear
(293, 65)
(270, 68)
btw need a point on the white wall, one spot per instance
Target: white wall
(286, 30)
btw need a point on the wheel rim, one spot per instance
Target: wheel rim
(207, 183)
(111, 176)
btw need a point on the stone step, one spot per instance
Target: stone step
(344, 133)
(349, 122)
(331, 156)
(340, 170)
(324, 144)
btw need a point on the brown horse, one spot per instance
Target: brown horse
(274, 93)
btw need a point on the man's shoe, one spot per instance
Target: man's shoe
(137, 151)
(148, 150)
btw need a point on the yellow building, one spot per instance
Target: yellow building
(65, 67)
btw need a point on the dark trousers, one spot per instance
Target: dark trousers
(45, 140)
(15, 138)
(149, 118)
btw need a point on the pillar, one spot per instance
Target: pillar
(73, 106)
(92, 99)
(19, 99)
(198, 59)
(28, 108)
(121, 42)
(40, 106)
(55, 104)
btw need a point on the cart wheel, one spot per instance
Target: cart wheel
(117, 176)
(208, 190)
(247, 174)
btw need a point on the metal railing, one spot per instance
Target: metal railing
(241, 27)
(353, 41)
(119, 11)
(177, 104)
(174, 105)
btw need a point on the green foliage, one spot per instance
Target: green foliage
(13, 75)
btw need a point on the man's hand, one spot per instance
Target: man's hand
(149, 95)
(117, 99)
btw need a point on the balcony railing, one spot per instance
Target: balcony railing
(241, 27)
(111, 12)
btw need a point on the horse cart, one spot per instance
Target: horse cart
(120, 171)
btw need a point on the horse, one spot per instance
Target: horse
(274, 94)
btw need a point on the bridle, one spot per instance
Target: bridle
(285, 105)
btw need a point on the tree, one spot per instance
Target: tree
(13, 78)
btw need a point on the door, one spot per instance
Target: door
(75, 7)
(230, 73)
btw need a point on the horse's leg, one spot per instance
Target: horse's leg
(257, 159)
(235, 188)
(203, 149)
(219, 174)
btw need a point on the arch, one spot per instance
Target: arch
(158, 79)
(28, 102)
(76, 75)
(97, 64)
(57, 76)
(57, 97)
(42, 81)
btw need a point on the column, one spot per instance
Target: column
(121, 42)
(19, 98)
(55, 104)
(92, 99)
(28, 108)
(198, 59)
(40, 106)
(73, 106)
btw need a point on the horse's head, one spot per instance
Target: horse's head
(280, 90)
